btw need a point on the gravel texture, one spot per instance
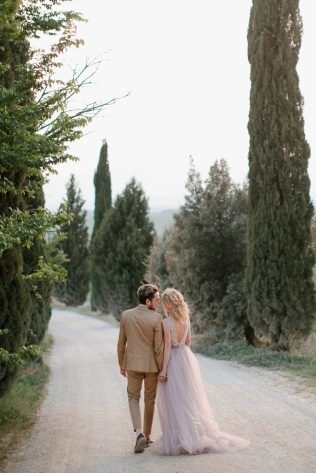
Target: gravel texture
(84, 425)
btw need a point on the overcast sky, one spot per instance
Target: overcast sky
(184, 64)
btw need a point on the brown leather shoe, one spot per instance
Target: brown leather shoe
(141, 443)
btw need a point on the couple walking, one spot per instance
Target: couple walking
(157, 353)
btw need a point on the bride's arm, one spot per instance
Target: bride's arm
(166, 353)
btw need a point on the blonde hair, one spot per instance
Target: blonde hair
(173, 298)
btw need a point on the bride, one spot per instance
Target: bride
(185, 416)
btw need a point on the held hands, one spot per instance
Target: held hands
(162, 376)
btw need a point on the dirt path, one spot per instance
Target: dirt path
(84, 424)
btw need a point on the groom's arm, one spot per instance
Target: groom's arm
(121, 346)
(159, 343)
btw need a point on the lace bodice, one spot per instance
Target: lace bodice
(174, 338)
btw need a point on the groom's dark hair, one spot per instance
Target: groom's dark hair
(146, 291)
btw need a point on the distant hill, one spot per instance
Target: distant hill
(161, 219)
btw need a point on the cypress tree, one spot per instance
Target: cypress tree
(122, 245)
(206, 252)
(281, 301)
(15, 300)
(75, 246)
(41, 290)
(184, 238)
(34, 137)
(103, 202)
(217, 253)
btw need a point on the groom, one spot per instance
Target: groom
(140, 356)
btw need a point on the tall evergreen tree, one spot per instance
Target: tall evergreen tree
(279, 269)
(103, 202)
(122, 245)
(15, 300)
(37, 125)
(75, 246)
(206, 251)
(184, 239)
(40, 290)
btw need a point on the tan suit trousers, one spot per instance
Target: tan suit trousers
(134, 386)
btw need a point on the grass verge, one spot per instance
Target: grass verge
(294, 363)
(18, 408)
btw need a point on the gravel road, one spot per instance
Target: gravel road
(84, 425)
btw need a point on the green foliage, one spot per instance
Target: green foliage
(157, 271)
(183, 238)
(262, 357)
(102, 184)
(16, 359)
(15, 312)
(38, 122)
(18, 408)
(49, 272)
(103, 202)
(36, 104)
(75, 247)
(34, 269)
(232, 309)
(120, 248)
(279, 278)
(15, 300)
(56, 256)
(21, 228)
(206, 252)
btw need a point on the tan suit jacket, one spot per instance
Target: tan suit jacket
(140, 343)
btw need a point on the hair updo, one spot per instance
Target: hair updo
(173, 301)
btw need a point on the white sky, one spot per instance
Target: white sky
(185, 65)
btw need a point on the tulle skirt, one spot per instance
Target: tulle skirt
(185, 416)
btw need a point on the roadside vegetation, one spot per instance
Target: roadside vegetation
(300, 361)
(18, 408)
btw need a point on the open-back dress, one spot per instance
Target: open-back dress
(185, 416)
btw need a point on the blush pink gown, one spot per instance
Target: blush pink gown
(185, 416)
